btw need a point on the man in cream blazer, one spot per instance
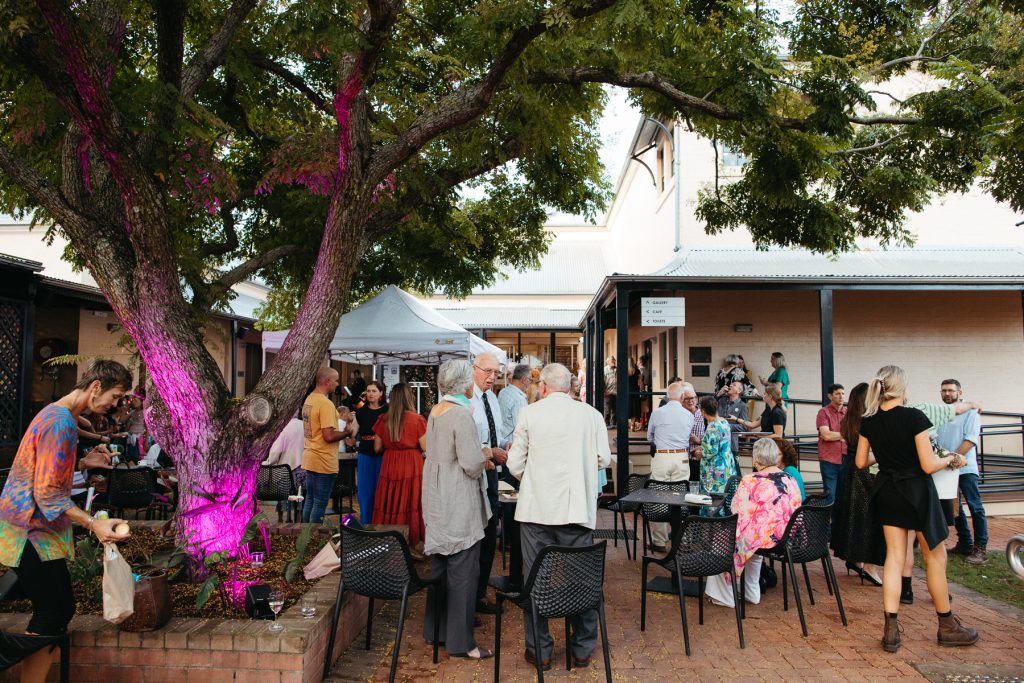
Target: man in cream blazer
(557, 449)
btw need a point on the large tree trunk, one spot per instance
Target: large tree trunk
(115, 213)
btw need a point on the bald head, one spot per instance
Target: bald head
(326, 380)
(674, 391)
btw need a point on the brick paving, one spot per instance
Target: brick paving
(775, 650)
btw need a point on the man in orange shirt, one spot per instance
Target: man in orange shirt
(320, 445)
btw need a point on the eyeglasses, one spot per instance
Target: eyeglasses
(487, 372)
(689, 398)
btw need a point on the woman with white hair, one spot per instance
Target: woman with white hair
(764, 502)
(455, 509)
(904, 498)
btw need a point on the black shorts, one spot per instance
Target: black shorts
(947, 510)
(48, 586)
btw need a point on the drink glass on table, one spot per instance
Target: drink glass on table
(307, 605)
(276, 602)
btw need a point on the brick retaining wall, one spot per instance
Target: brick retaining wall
(209, 650)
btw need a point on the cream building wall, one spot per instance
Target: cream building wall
(975, 337)
(88, 331)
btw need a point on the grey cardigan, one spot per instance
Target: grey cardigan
(455, 509)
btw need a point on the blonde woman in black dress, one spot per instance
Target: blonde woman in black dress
(904, 498)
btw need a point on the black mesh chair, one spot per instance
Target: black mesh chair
(341, 490)
(659, 512)
(730, 493)
(377, 564)
(635, 482)
(15, 647)
(805, 540)
(705, 547)
(563, 582)
(134, 489)
(274, 484)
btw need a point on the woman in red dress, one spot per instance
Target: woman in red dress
(401, 434)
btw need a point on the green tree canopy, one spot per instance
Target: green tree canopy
(183, 146)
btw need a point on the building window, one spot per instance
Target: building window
(730, 158)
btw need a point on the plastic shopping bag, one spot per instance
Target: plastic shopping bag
(325, 561)
(118, 586)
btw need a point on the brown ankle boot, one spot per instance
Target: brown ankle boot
(954, 634)
(891, 638)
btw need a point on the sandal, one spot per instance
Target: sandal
(483, 654)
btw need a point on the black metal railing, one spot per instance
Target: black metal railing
(998, 472)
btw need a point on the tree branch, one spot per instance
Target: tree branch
(221, 285)
(230, 242)
(442, 181)
(917, 58)
(684, 101)
(876, 145)
(261, 61)
(469, 101)
(38, 187)
(170, 41)
(211, 54)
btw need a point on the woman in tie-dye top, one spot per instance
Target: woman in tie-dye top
(36, 511)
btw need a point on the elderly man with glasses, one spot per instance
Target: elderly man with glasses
(689, 401)
(488, 419)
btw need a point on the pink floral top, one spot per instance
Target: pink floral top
(38, 489)
(764, 503)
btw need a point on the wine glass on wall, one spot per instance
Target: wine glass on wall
(276, 602)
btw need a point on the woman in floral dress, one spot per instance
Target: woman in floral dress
(764, 502)
(717, 463)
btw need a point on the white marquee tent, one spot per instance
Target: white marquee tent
(396, 327)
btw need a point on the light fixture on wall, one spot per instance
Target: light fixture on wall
(743, 327)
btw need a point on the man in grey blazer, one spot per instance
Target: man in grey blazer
(557, 449)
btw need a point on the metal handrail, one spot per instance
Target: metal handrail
(990, 481)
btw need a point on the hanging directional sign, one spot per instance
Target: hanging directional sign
(662, 311)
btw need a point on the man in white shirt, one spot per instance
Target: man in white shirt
(287, 450)
(512, 399)
(669, 430)
(558, 447)
(487, 416)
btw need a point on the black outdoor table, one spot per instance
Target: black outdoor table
(676, 502)
(510, 538)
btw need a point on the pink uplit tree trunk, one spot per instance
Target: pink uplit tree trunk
(119, 222)
(115, 203)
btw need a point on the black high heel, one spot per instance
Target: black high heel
(865, 575)
(851, 568)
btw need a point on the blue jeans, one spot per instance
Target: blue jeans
(830, 477)
(318, 491)
(970, 493)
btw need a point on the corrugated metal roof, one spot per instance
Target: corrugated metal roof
(243, 306)
(18, 262)
(513, 318)
(569, 267)
(935, 263)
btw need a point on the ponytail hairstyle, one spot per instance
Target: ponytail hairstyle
(888, 383)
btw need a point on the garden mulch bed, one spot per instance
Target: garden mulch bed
(146, 541)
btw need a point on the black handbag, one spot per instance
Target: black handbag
(768, 578)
